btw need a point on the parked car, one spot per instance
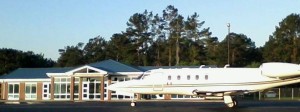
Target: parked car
(270, 94)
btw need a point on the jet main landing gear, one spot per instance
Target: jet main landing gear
(230, 102)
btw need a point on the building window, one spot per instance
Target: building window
(13, 91)
(206, 77)
(169, 77)
(30, 91)
(62, 88)
(180, 96)
(178, 77)
(127, 79)
(94, 88)
(115, 79)
(197, 77)
(76, 88)
(188, 77)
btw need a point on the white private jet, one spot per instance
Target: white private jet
(212, 82)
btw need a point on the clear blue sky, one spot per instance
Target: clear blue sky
(44, 26)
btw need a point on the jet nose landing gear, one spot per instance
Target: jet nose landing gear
(133, 104)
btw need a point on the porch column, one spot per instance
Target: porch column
(80, 88)
(139, 96)
(22, 91)
(39, 91)
(102, 87)
(109, 91)
(52, 89)
(167, 97)
(2, 90)
(72, 89)
(5, 91)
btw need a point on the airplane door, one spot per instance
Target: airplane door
(158, 83)
(158, 87)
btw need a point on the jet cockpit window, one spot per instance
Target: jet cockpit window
(178, 77)
(197, 77)
(169, 77)
(188, 77)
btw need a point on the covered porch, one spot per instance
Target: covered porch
(84, 83)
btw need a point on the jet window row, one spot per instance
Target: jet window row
(188, 77)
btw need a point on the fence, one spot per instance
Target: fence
(275, 94)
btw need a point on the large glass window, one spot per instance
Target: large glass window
(62, 88)
(176, 96)
(91, 88)
(30, 91)
(13, 91)
(76, 88)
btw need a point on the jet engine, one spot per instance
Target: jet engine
(280, 70)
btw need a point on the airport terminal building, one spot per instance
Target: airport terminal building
(83, 83)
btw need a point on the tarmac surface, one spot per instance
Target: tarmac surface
(151, 106)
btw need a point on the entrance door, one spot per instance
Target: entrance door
(46, 90)
(91, 89)
(85, 90)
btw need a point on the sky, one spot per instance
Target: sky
(44, 26)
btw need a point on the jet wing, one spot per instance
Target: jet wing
(221, 93)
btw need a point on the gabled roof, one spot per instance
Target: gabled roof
(33, 73)
(106, 65)
(114, 66)
(87, 68)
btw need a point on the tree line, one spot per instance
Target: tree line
(170, 39)
(163, 40)
(11, 59)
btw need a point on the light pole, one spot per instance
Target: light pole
(228, 39)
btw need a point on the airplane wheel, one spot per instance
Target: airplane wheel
(233, 104)
(133, 104)
(230, 105)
